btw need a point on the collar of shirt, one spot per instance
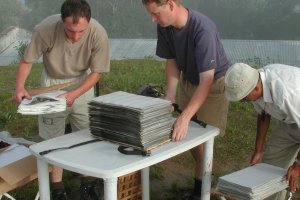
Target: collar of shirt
(267, 95)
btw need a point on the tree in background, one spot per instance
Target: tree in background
(255, 19)
(236, 19)
(10, 10)
(279, 20)
(123, 18)
(37, 10)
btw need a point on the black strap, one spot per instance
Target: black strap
(130, 151)
(69, 147)
(194, 118)
(96, 89)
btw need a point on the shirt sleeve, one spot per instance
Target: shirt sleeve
(206, 51)
(290, 106)
(100, 56)
(164, 46)
(257, 107)
(35, 48)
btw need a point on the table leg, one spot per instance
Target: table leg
(145, 184)
(9, 196)
(111, 189)
(43, 179)
(207, 169)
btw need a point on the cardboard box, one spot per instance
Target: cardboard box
(17, 167)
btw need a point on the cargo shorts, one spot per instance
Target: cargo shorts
(215, 108)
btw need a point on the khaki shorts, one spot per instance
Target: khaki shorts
(53, 125)
(282, 149)
(215, 108)
(283, 145)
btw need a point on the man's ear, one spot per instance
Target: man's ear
(171, 4)
(258, 88)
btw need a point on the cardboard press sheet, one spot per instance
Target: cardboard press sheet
(12, 154)
(16, 163)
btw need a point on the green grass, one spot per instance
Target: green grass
(124, 75)
(232, 152)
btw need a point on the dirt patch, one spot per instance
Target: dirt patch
(174, 178)
(171, 177)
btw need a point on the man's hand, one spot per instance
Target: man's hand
(180, 129)
(21, 94)
(256, 158)
(69, 98)
(292, 176)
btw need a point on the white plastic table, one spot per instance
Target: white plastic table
(103, 160)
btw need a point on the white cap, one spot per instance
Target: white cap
(240, 80)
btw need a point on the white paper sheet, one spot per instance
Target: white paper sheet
(43, 104)
(255, 182)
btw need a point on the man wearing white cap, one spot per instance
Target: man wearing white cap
(274, 90)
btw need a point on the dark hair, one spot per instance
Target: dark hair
(76, 9)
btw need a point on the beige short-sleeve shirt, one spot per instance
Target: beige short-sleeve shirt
(63, 59)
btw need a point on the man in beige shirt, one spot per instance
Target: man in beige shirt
(74, 47)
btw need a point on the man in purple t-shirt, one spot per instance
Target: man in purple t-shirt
(196, 61)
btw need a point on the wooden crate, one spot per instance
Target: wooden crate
(130, 186)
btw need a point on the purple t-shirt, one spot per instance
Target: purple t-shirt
(196, 48)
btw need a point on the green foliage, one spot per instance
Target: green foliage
(131, 75)
(157, 172)
(240, 133)
(21, 47)
(16, 124)
(5, 117)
